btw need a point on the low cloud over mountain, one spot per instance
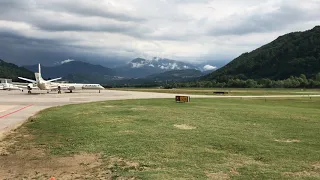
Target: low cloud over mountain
(209, 68)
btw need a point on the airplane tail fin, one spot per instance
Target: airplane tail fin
(39, 76)
(6, 83)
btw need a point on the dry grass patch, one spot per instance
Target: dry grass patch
(35, 163)
(139, 108)
(21, 159)
(287, 140)
(316, 165)
(3, 147)
(303, 174)
(116, 161)
(127, 132)
(218, 176)
(184, 126)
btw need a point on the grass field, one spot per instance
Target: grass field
(231, 91)
(161, 139)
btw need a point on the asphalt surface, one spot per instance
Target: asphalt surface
(16, 106)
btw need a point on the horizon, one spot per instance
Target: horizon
(112, 32)
(201, 67)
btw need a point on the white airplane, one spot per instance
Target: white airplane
(49, 85)
(9, 86)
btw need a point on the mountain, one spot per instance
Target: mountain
(75, 71)
(139, 67)
(12, 71)
(176, 75)
(289, 55)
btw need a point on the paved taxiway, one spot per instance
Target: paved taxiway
(16, 106)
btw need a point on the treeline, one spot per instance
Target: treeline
(292, 82)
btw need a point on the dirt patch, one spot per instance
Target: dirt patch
(316, 165)
(109, 106)
(287, 140)
(234, 171)
(218, 176)
(120, 162)
(36, 164)
(118, 166)
(4, 146)
(184, 126)
(302, 174)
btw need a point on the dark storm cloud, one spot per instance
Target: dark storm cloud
(81, 8)
(9, 4)
(22, 50)
(260, 22)
(39, 15)
(62, 26)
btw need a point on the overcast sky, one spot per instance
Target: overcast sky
(48, 31)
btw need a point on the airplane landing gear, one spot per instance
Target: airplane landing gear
(59, 90)
(29, 90)
(47, 92)
(70, 91)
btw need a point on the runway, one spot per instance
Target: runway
(16, 106)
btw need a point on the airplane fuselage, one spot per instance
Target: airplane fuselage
(43, 86)
(68, 86)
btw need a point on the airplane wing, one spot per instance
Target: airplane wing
(51, 80)
(26, 87)
(26, 79)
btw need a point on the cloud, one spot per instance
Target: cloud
(66, 61)
(267, 17)
(209, 68)
(115, 30)
(104, 9)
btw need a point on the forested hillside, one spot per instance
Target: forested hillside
(290, 55)
(12, 71)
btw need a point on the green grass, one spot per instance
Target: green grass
(233, 138)
(231, 91)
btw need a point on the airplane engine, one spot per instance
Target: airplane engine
(30, 87)
(71, 88)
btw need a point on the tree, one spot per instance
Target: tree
(317, 77)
